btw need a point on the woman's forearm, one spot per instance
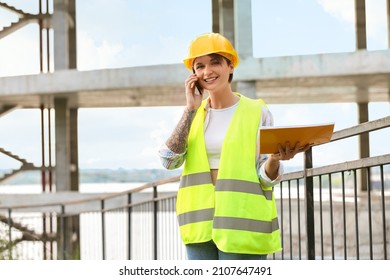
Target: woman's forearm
(177, 142)
(272, 168)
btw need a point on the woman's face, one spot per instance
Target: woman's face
(212, 71)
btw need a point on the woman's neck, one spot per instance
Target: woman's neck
(221, 100)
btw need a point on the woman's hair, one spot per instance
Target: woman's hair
(219, 57)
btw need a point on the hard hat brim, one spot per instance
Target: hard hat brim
(188, 62)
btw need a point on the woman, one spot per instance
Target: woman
(225, 203)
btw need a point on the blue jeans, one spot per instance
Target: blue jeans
(209, 251)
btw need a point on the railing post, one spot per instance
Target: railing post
(309, 205)
(155, 223)
(63, 230)
(281, 218)
(355, 180)
(103, 229)
(129, 211)
(383, 212)
(368, 174)
(10, 233)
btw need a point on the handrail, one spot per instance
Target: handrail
(99, 197)
(348, 165)
(361, 128)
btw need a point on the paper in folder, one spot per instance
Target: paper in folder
(305, 134)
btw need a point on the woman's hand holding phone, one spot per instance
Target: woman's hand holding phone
(193, 92)
(199, 88)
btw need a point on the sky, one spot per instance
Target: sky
(126, 33)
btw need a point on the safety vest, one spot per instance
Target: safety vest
(238, 214)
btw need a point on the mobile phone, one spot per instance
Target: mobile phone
(197, 84)
(198, 87)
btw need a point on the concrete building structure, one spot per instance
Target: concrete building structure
(361, 76)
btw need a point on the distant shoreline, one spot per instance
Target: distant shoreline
(103, 175)
(97, 176)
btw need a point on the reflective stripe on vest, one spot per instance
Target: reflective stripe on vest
(234, 223)
(195, 179)
(225, 184)
(246, 224)
(238, 214)
(196, 216)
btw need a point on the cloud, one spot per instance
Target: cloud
(94, 55)
(163, 50)
(343, 10)
(376, 17)
(109, 53)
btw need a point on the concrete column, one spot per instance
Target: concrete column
(225, 9)
(364, 143)
(388, 95)
(67, 170)
(388, 22)
(243, 28)
(247, 88)
(72, 36)
(360, 24)
(64, 26)
(60, 23)
(215, 15)
(243, 41)
(62, 137)
(226, 19)
(361, 44)
(74, 157)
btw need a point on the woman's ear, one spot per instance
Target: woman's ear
(231, 68)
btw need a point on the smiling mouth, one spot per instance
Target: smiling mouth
(210, 79)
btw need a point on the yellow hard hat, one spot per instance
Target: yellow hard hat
(209, 43)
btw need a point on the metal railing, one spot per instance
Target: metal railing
(323, 214)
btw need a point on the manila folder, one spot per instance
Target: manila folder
(270, 136)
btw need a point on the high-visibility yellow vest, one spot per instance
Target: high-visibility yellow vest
(238, 214)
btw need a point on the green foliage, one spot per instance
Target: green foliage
(6, 247)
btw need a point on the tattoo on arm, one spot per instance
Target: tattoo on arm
(177, 142)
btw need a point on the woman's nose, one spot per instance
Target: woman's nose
(207, 69)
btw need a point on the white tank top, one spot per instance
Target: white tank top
(219, 120)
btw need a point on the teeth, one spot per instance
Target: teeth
(211, 79)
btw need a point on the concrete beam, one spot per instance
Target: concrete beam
(337, 65)
(305, 78)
